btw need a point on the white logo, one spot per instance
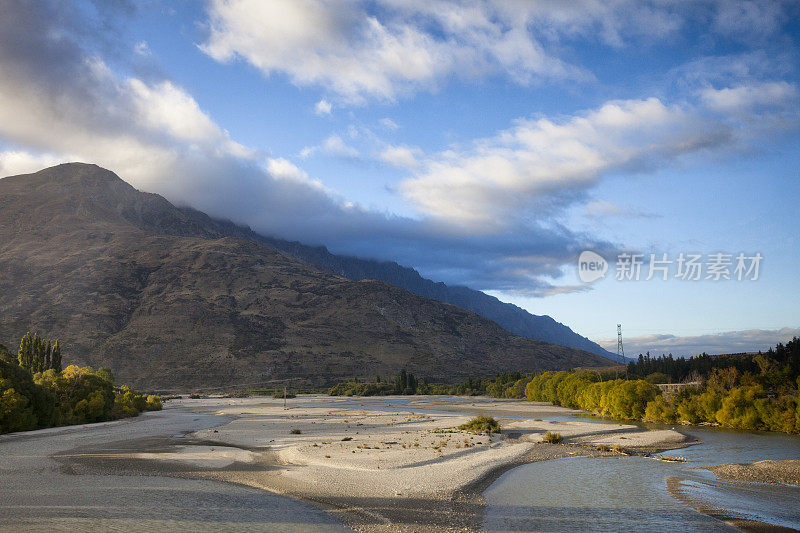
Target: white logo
(591, 266)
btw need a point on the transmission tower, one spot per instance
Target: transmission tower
(621, 350)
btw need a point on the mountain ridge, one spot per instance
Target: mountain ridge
(170, 298)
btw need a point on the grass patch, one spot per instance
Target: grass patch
(481, 424)
(602, 448)
(552, 438)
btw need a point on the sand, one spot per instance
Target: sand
(48, 483)
(778, 472)
(376, 464)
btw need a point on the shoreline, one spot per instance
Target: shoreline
(743, 524)
(374, 470)
(785, 472)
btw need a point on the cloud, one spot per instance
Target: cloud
(380, 50)
(400, 156)
(334, 145)
(540, 166)
(142, 48)
(542, 290)
(485, 210)
(13, 162)
(749, 20)
(364, 51)
(389, 124)
(60, 101)
(544, 163)
(751, 340)
(603, 209)
(323, 107)
(746, 98)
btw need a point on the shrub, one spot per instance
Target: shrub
(481, 424)
(552, 438)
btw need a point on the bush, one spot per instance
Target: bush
(552, 438)
(355, 388)
(580, 390)
(657, 377)
(71, 396)
(481, 424)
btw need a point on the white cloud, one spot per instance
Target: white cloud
(389, 124)
(142, 48)
(15, 162)
(748, 19)
(283, 169)
(401, 156)
(745, 98)
(751, 340)
(334, 145)
(164, 107)
(527, 167)
(359, 52)
(57, 97)
(323, 107)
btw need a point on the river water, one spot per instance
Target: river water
(630, 493)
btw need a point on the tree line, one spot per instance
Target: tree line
(36, 393)
(741, 391)
(36, 355)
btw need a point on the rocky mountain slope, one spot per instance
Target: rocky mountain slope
(509, 316)
(170, 299)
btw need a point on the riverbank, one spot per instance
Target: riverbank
(779, 472)
(677, 490)
(376, 464)
(44, 487)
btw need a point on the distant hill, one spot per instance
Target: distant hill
(512, 318)
(171, 299)
(509, 316)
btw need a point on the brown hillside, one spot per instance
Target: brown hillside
(129, 281)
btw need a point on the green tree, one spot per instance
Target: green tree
(47, 355)
(55, 359)
(38, 354)
(25, 354)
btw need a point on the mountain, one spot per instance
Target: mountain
(512, 318)
(171, 299)
(509, 316)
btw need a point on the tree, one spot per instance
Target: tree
(38, 354)
(55, 359)
(24, 356)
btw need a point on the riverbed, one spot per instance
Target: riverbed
(641, 494)
(328, 464)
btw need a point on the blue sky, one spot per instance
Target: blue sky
(483, 143)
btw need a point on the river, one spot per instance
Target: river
(630, 493)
